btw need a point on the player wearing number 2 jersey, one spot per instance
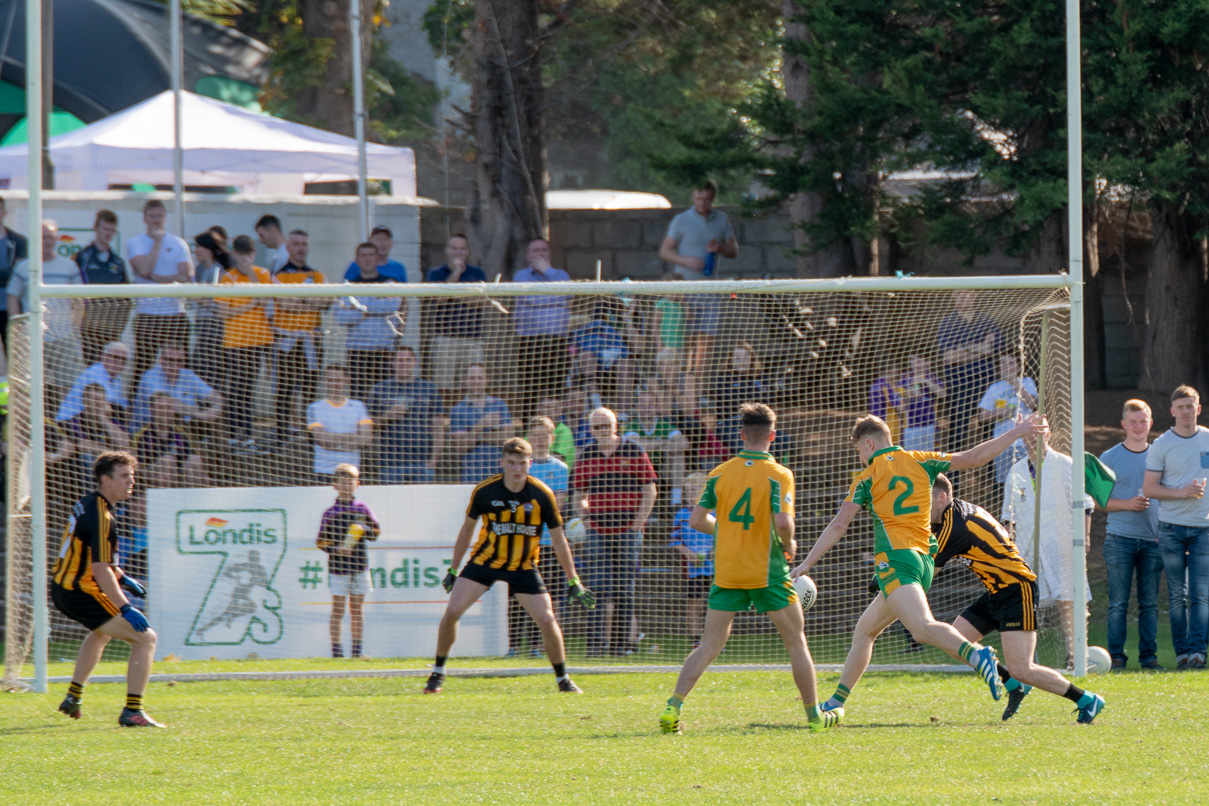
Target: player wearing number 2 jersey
(896, 488)
(753, 540)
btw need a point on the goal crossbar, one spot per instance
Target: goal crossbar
(510, 289)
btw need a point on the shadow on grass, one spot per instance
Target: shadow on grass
(23, 729)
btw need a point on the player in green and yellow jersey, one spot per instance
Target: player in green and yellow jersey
(967, 535)
(896, 488)
(753, 540)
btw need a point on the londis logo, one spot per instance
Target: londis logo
(236, 529)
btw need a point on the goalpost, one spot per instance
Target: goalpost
(224, 532)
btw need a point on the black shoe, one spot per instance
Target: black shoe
(435, 681)
(567, 686)
(137, 719)
(1118, 666)
(1015, 697)
(1153, 666)
(1182, 664)
(70, 706)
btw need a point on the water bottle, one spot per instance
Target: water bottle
(710, 259)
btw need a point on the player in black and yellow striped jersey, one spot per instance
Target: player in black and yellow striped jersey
(968, 535)
(512, 506)
(87, 586)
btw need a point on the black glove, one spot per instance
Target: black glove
(133, 585)
(447, 582)
(585, 597)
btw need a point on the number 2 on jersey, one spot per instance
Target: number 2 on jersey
(741, 511)
(899, 509)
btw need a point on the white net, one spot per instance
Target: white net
(241, 409)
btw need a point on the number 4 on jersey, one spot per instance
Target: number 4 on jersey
(741, 512)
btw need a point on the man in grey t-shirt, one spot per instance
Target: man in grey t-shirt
(696, 241)
(1176, 469)
(1130, 545)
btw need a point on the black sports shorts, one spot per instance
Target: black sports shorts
(80, 606)
(1009, 609)
(519, 581)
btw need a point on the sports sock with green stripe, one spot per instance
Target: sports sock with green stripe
(841, 693)
(675, 702)
(813, 714)
(966, 652)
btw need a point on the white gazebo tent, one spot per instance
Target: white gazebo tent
(223, 145)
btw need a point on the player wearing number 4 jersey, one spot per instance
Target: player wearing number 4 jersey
(753, 538)
(895, 487)
(968, 535)
(513, 507)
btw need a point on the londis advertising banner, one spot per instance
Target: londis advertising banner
(234, 572)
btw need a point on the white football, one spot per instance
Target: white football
(807, 593)
(1098, 660)
(575, 530)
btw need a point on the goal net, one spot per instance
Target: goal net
(240, 410)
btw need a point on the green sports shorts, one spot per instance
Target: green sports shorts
(899, 567)
(764, 600)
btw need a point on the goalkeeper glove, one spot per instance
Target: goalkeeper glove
(136, 618)
(447, 582)
(582, 595)
(133, 585)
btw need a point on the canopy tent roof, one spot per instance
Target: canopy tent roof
(223, 145)
(598, 199)
(128, 41)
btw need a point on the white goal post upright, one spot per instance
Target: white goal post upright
(1074, 204)
(35, 120)
(893, 314)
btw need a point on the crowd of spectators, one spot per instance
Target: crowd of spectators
(625, 400)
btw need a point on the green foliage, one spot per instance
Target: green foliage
(375, 741)
(298, 61)
(223, 12)
(447, 22)
(617, 70)
(401, 103)
(1148, 102)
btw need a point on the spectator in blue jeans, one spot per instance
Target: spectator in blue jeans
(1176, 467)
(615, 489)
(1130, 544)
(410, 414)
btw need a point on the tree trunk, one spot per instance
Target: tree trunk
(507, 204)
(1095, 365)
(1051, 255)
(837, 260)
(1172, 351)
(330, 104)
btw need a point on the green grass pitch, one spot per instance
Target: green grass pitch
(909, 738)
